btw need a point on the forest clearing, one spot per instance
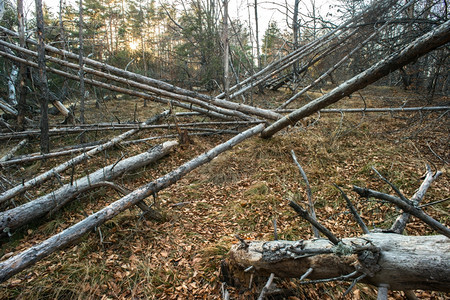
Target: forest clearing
(168, 151)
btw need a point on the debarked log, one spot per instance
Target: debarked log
(21, 261)
(51, 202)
(400, 262)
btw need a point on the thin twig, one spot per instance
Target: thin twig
(305, 215)
(434, 202)
(352, 285)
(396, 190)
(435, 154)
(275, 233)
(308, 192)
(266, 287)
(417, 212)
(306, 274)
(339, 278)
(353, 211)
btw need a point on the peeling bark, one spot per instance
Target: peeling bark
(400, 262)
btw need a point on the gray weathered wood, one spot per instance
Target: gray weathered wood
(160, 85)
(400, 223)
(401, 262)
(30, 256)
(424, 44)
(23, 214)
(406, 207)
(11, 152)
(64, 166)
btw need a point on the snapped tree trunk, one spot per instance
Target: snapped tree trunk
(21, 215)
(400, 262)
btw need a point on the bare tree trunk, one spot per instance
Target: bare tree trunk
(62, 167)
(163, 86)
(12, 79)
(258, 54)
(63, 39)
(81, 67)
(226, 46)
(21, 215)
(296, 29)
(22, 69)
(16, 148)
(30, 256)
(209, 110)
(401, 262)
(43, 87)
(424, 44)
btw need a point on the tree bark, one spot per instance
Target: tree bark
(81, 66)
(163, 86)
(62, 167)
(16, 148)
(424, 44)
(206, 106)
(43, 87)
(21, 215)
(30, 256)
(401, 262)
(226, 46)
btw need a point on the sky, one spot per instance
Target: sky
(268, 10)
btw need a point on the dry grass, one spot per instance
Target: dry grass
(239, 192)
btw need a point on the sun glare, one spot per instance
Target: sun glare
(133, 45)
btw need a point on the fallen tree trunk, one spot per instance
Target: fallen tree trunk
(88, 127)
(376, 109)
(346, 57)
(161, 85)
(129, 82)
(72, 162)
(400, 262)
(38, 156)
(21, 215)
(209, 110)
(30, 256)
(11, 152)
(278, 65)
(424, 44)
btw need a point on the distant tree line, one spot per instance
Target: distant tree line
(181, 41)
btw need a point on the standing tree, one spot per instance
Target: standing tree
(82, 89)
(22, 69)
(226, 49)
(43, 87)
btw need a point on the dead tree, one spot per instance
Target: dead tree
(345, 58)
(206, 106)
(72, 162)
(421, 46)
(23, 214)
(43, 87)
(380, 258)
(160, 85)
(67, 237)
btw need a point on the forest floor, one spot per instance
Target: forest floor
(240, 192)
